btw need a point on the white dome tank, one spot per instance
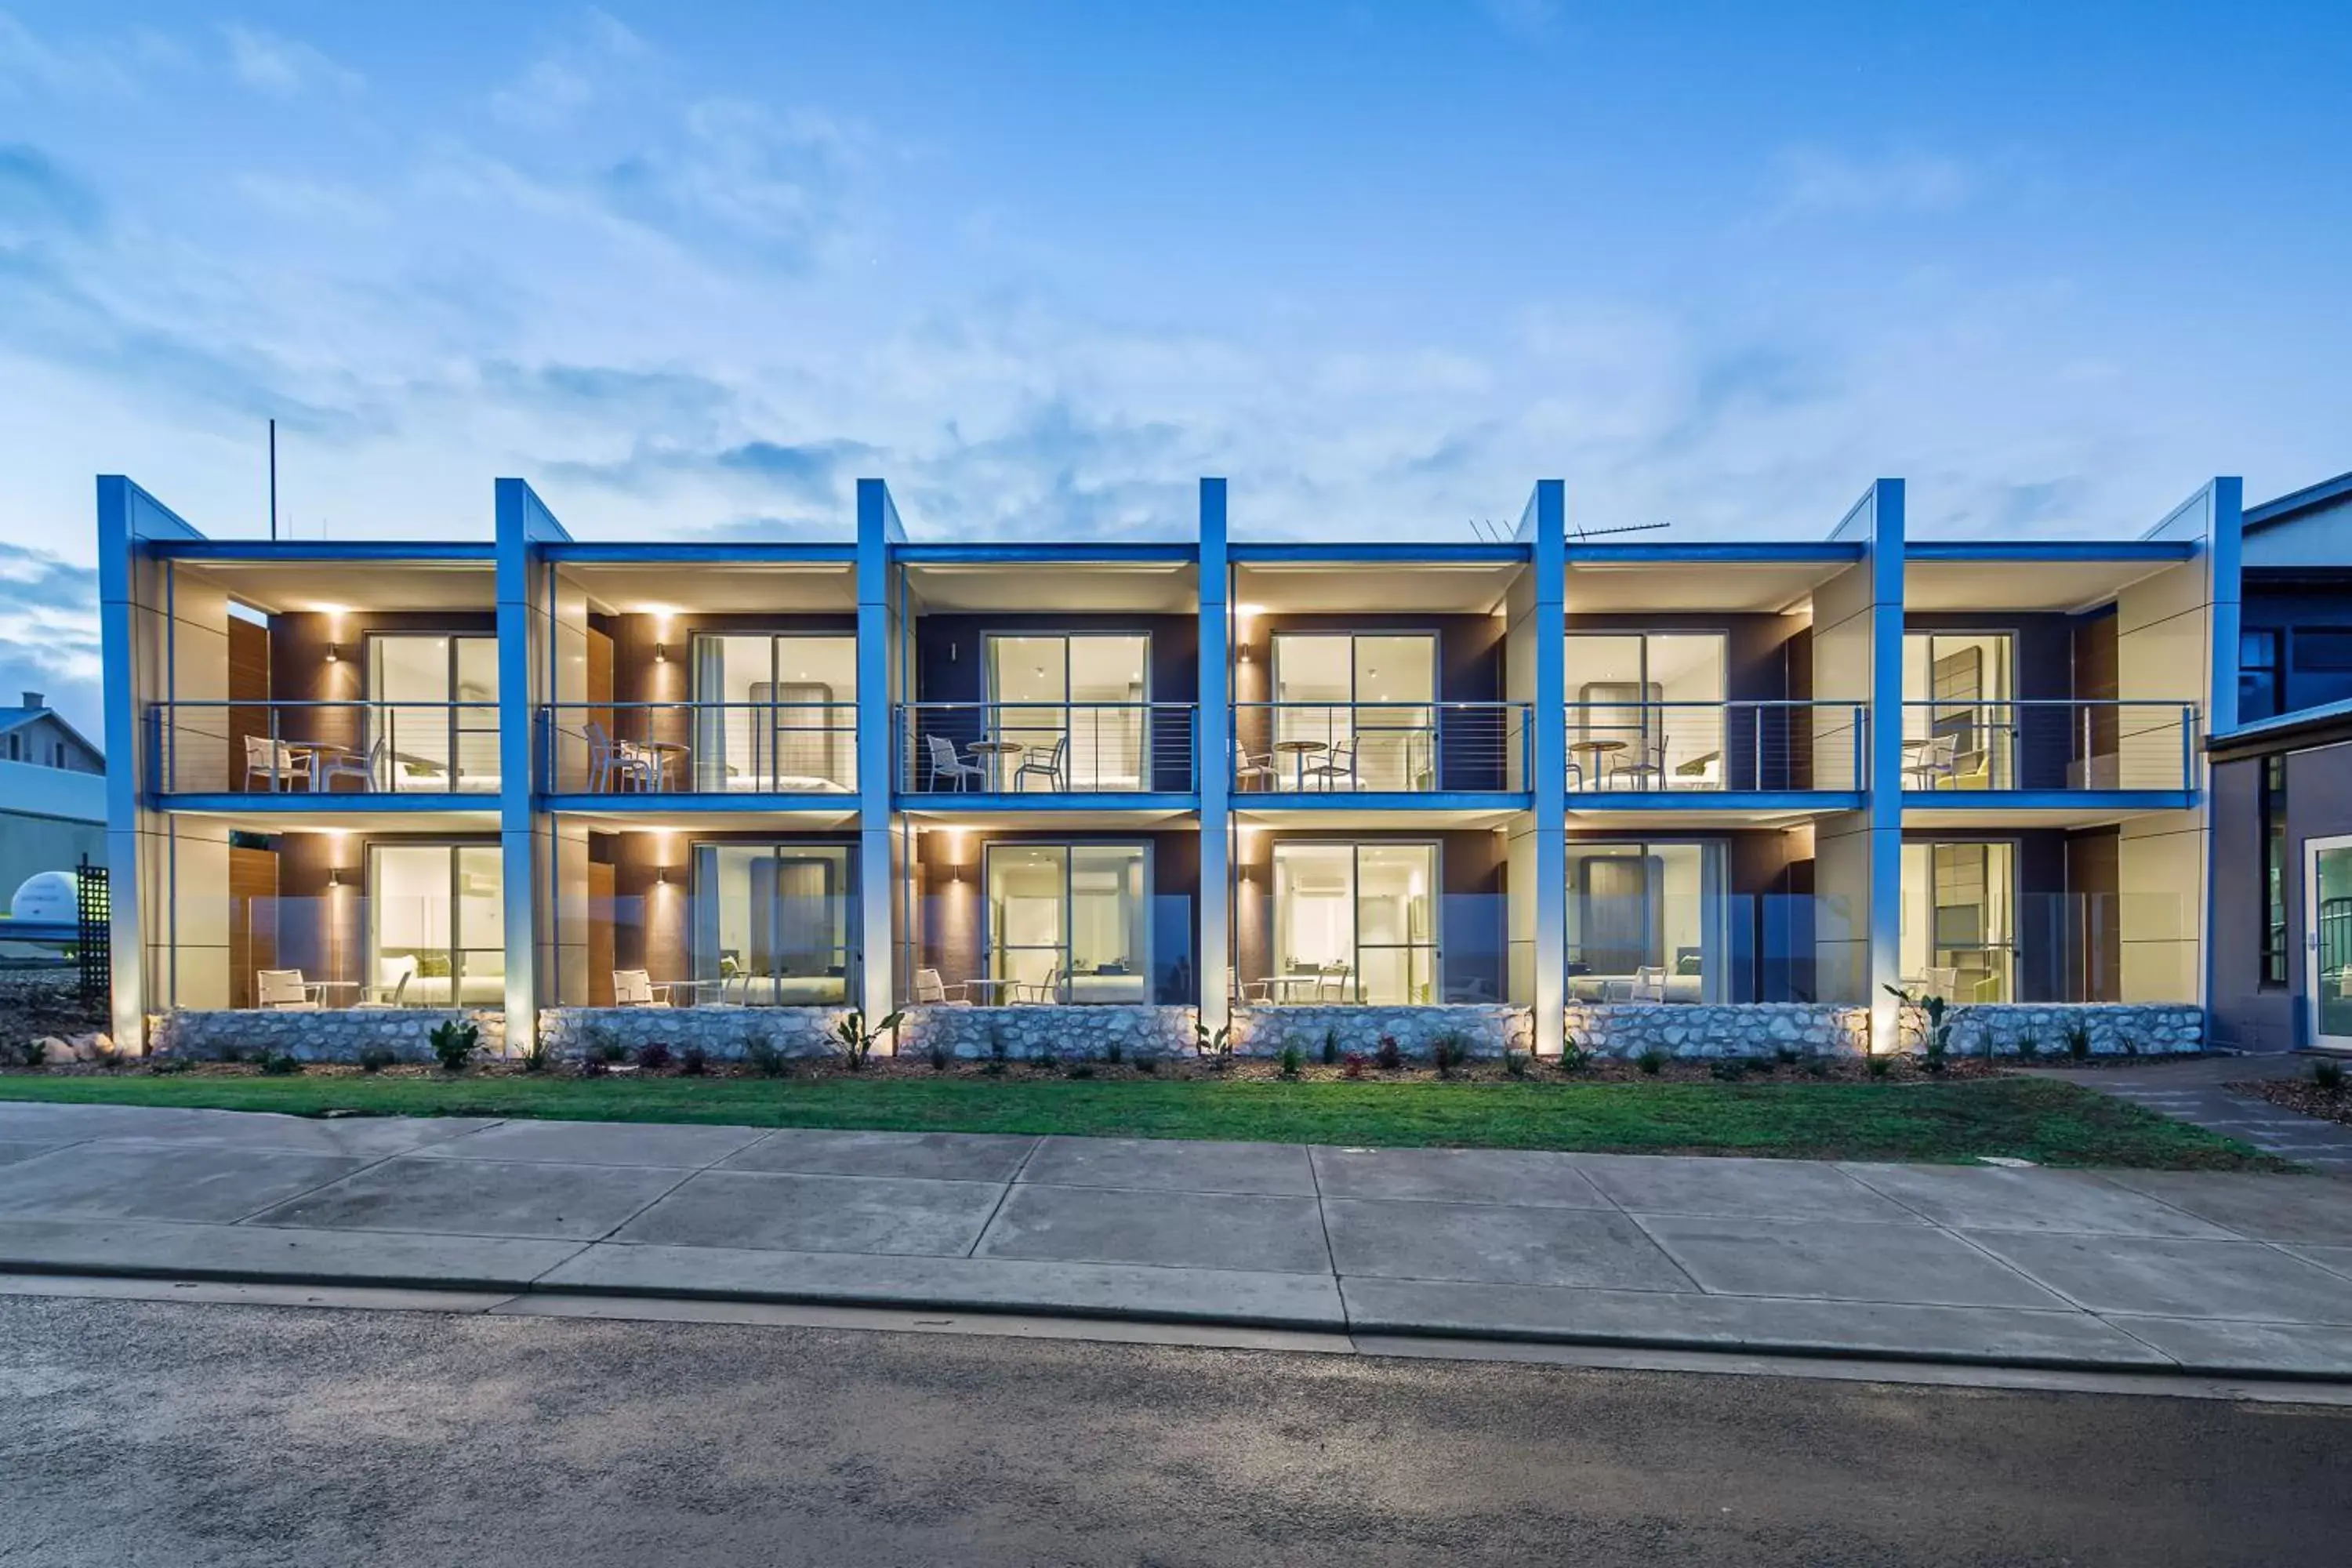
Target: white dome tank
(47, 896)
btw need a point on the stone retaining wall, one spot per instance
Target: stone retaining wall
(724, 1034)
(1488, 1029)
(329, 1035)
(1718, 1029)
(2115, 1028)
(1071, 1031)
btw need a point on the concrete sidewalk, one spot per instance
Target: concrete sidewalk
(2226, 1274)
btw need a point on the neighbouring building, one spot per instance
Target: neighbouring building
(1701, 796)
(52, 795)
(2281, 785)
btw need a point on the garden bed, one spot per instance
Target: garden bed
(2328, 1102)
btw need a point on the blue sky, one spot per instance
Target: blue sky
(696, 268)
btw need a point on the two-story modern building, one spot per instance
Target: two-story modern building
(1702, 797)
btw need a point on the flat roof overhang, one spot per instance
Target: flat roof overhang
(961, 582)
(1081, 816)
(1724, 579)
(800, 803)
(1729, 808)
(353, 813)
(340, 585)
(1378, 811)
(2328, 725)
(1417, 581)
(1991, 810)
(674, 586)
(688, 813)
(1955, 576)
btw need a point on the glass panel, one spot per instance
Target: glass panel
(2322, 672)
(1031, 676)
(1314, 924)
(408, 721)
(477, 728)
(1687, 743)
(771, 924)
(1314, 680)
(1965, 738)
(481, 926)
(1395, 727)
(1107, 744)
(1110, 939)
(1606, 726)
(1959, 938)
(1396, 932)
(1646, 923)
(1027, 939)
(2331, 880)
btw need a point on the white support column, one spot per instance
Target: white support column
(136, 635)
(880, 672)
(525, 681)
(1213, 763)
(1545, 526)
(1858, 657)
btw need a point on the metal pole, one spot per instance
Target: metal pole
(273, 482)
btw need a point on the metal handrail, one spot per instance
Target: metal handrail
(1407, 748)
(1031, 747)
(2049, 744)
(1762, 744)
(775, 747)
(299, 758)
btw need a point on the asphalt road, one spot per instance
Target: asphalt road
(181, 1434)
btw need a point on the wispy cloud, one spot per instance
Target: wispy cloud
(1809, 181)
(286, 68)
(1528, 20)
(48, 633)
(556, 88)
(38, 196)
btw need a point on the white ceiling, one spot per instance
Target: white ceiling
(1437, 588)
(1606, 587)
(737, 588)
(283, 587)
(1092, 587)
(1945, 586)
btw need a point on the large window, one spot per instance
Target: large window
(1070, 922)
(1356, 710)
(775, 713)
(1076, 703)
(2259, 694)
(1959, 720)
(772, 923)
(1960, 921)
(1646, 711)
(2320, 667)
(1353, 922)
(2274, 921)
(436, 924)
(1646, 922)
(433, 719)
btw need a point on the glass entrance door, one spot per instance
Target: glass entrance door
(1076, 704)
(2328, 941)
(433, 723)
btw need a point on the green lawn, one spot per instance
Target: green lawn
(2041, 1119)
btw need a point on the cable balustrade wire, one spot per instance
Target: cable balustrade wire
(1053, 748)
(323, 748)
(1715, 747)
(700, 748)
(1401, 748)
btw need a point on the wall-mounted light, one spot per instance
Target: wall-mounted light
(334, 654)
(661, 653)
(334, 877)
(661, 874)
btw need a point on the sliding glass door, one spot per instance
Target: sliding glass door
(436, 924)
(1077, 705)
(772, 923)
(1960, 726)
(1361, 707)
(1354, 924)
(1648, 922)
(433, 716)
(775, 713)
(1960, 921)
(1646, 711)
(1068, 923)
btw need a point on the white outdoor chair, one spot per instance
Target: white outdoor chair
(334, 764)
(1331, 981)
(931, 990)
(1649, 984)
(634, 988)
(272, 762)
(386, 996)
(610, 763)
(1045, 994)
(1046, 763)
(1645, 766)
(1939, 760)
(1338, 764)
(1252, 772)
(946, 764)
(284, 990)
(1944, 982)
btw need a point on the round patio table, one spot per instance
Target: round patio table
(1299, 750)
(998, 754)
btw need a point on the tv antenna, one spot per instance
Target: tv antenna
(1492, 532)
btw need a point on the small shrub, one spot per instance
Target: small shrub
(2327, 1076)
(2078, 1041)
(1352, 1065)
(1114, 1053)
(652, 1057)
(1785, 1056)
(1515, 1063)
(229, 1055)
(1391, 1055)
(1727, 1069)
(694, 1061)
(940, 1055)
(765, 1059)
(1817, 1067)
(37, 1053)
(858, 1041)
(1574, 1055)
(1146, 1065)
(1448, 1051)
(1046, 1060)
(593, 1065)
(453, 1042)
(165, 1066)
(1218, 1048)
(612, 1053)
(1330, 1048)
(375, 1058)
(2028, 1048)
(1937, 1058)
(993, 1066)
(1291, 1061)
(998, 1051)
(281, 1064)
(1652, 1061)
(1082, 1068)
(1878, 1065)
(2131, 1046)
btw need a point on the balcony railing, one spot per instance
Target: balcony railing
(1053, 748)
(323, 748)
(700, 748)
(1715, 747)
(1403, 748)
(1956, 747)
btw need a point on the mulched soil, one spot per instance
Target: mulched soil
(2302, 1094)
(37, 1003)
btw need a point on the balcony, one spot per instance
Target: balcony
(772, 748)
(1323, 748)
(948, 749)
(1714, 748)
(323, 748)
(1959, 748)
